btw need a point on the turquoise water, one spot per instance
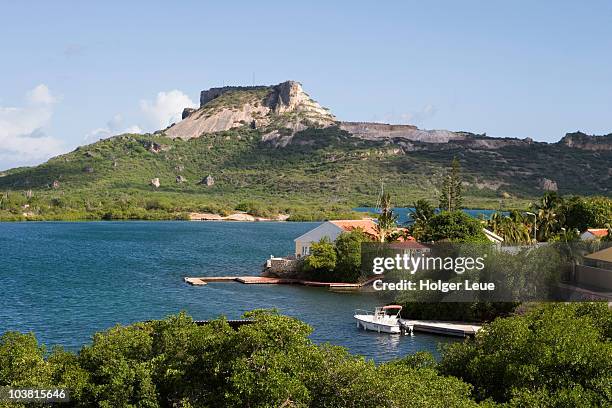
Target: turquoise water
(403, 213)
(65, 281)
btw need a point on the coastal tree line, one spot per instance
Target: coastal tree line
(554, 355)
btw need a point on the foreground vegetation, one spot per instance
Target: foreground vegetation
(322, 174)
(554, 356)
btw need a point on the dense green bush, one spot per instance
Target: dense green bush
(556, 355)
(348, 250)
(454, 226)
(322, 258)
(270, 363)
(338, 261)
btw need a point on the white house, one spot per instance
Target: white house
(331, 230)
(593, 233)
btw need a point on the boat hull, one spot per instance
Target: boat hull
(367, 323)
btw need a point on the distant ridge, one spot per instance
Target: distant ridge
(270, 150)
(282, 110)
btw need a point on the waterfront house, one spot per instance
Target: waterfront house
(594, 233)
(331, 230)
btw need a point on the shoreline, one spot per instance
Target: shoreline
(192, 216)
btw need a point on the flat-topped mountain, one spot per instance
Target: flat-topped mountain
(268, 108)
(273, 149)
(280, 111)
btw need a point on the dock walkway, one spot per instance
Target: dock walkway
(437, 327)
(259, 280)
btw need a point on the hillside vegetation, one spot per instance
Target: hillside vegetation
(273, 149)
(322, 172)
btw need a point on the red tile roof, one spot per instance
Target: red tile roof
(367, 225)
(598, 232)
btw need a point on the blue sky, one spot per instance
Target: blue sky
(73, 72)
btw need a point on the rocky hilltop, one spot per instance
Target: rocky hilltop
(583, 141)
(279, 111)
(377, 131)
(267, 150)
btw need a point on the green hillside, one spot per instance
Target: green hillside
(322, 172)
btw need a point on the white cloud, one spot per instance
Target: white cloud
(115, 126)
(23, 140)
(41, 96)
(166, 109)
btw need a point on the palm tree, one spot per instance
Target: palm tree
(548, 220)
(512, 228)
(421, 213)
(387, 220)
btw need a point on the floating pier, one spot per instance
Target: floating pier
(444, 328)
(263, 280)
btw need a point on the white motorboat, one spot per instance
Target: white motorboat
(385, 319)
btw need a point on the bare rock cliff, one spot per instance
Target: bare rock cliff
(270, 108)
(376, 131)
(280, 111)
(583, 141)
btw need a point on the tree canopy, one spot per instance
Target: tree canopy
(454, 226)
(556, 355)
(451, 198)
(176, 363)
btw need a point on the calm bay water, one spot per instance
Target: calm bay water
(404, 213)
(65, 281)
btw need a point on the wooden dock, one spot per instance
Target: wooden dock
(263, 280)
(444, 328)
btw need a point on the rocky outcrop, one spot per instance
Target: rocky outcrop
(548, 184)
(187, 112)
(156, 148)
(280, 111)
(583, 141)
(403, 135)
(208, 181)
(375, 131)
(269, 108)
